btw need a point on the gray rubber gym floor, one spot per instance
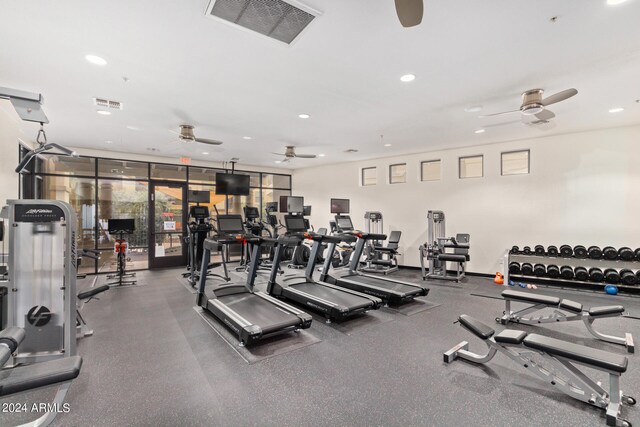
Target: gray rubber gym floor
(154, 361)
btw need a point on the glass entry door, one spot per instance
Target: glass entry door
(168, 225)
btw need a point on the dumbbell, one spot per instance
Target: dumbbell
(637, 254)
(609, 252)
(514, 250)
(625, 254)
(526, 250)
(539, 250)
(566, 272)
(581, 274)
(566, 251)
(514, 268)
(552, 251)
(553, 271)
(594, 252)
(540, 270)
(612, 276)
(627, 277)
(596, 275)
(526, 269)
(580, 251)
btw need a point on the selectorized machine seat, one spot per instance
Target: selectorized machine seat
(575, 310)
(556, 362)
(88, 294)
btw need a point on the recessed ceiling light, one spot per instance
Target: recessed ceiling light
(104, 112)
(480, 131)
(616, 110)
(408, 78)
(108, 142)
(206, 153)
(321, 155)
(387, 145)
(615, 2)
(304, 116)
(277, 161)
(96, 60)
(246, 137)
(473, 109)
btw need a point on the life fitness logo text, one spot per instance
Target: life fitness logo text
(38, 211)
(39, 315)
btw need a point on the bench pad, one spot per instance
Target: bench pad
(579, 353)
(477, 327)
(42, 374)
(93, 292)
(567, 304)
(605, 310)
(510, 336)
(530, 297)
(452, 257)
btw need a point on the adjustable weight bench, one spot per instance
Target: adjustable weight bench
(554, 361)
(564, 311)
(60, 372)
(82, 329)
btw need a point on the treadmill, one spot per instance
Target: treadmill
(334, 302)
(251, 314)
(392, 291)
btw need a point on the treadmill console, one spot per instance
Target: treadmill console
(343, 223)
(199, 212)
(295, 224)
(230, 224)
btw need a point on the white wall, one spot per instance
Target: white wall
(583, 189)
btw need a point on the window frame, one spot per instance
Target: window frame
(362, 181)
(391, 174)
(526, 150)
(470, 157)
(422, 170)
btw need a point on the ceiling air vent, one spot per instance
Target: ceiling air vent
(273, 18)
(105, 103)
(351, 150)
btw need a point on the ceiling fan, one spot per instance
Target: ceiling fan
(290, 153)
(186, 135)
(409, 12)
(534, 105)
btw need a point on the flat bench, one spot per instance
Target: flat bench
(82, 329)
(554, 361)
(564, 311)
(21, 379)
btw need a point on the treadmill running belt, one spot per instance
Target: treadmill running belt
(259, 312)
(353, 302)
(399, 288)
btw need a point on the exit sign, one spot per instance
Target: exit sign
(185, 160)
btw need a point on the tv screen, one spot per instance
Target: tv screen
(295, 204)
(126, 225)
(199, 212)
(232, 184)
(199, 196)
(251, 212)
(339, 206)
(306, 211)
(294, 224)
(230, 224)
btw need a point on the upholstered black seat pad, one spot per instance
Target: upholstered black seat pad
(42, 374)
(530, 297)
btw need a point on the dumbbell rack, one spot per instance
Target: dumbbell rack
(572, 262)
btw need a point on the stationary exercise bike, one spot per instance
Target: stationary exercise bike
(120, 227)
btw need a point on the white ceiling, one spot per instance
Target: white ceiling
(344, 71)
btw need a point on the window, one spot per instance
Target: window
(276, 181)
(471, 167)
(398, 173)
(369, 176)
(203, 175)
(108, 168)
(515, 163)
(430, 170)
(65, 165)
(168, 172)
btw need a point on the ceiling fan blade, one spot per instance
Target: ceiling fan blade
(208, 141)
(278, 154)
(409, 12)
(306, 156)
(286, 159)
(545, 115)
(560, 96)
(499, 114)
